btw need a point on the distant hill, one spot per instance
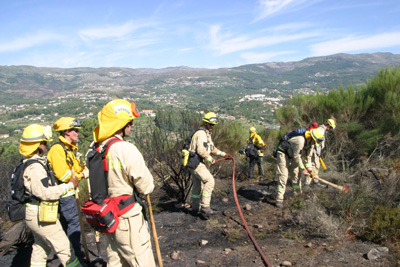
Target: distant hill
(272, 79)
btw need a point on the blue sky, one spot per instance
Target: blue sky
(194, 33)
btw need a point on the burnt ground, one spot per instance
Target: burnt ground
(188, 240)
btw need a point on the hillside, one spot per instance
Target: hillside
(308, 74)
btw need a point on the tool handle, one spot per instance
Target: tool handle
(153, 228)
(322, 163)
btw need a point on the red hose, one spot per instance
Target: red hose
(241, 214)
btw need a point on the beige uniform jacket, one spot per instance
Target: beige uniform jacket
(297, 145)
(127, 169)
(202, 144)
(35, 176)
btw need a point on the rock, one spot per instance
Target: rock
(258, 226)
(227, 250)
(200, 262)
(203, 243)
(330, 248)
(247, 207)
(225, 200)
(175, 255)
(286, 263)
(309, 245)
(375, 253)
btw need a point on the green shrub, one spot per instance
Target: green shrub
(383, 225)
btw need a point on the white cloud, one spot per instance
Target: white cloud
(29, 41)
(225, 43)
(115, 31)
(356, 43)
(267, 8)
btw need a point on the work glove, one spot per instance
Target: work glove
(310, 172)
(211, 160)
(305, 172)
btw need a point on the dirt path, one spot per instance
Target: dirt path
(187, 240)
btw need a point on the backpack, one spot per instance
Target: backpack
(250, 149)
(293, 133)
(190, 159)
(102, 212)
(284, 144)
(19, 197)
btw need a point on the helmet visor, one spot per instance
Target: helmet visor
(213, 120)
(75, 123)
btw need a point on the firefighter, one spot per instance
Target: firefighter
(47, 235)
(313, 162)
(289, 161)
(201, 146)
(130, 244)
(259, 144)
(62, 160)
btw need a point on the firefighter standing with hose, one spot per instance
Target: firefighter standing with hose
(313, 160)
(47, 235)
(63, 161)
(130, 244)
(289, 161)
(259, 144)
(201, 147)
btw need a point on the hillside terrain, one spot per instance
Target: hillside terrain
(249, 92)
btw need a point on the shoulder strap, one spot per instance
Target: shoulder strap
(104, 152)
(67, 158)
(48, 170)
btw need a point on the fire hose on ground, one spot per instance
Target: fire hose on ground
(241, 214)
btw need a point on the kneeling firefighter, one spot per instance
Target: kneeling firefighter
(130, 244)
(41, 211)
(201, 147)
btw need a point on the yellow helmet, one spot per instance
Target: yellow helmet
(211, 118)
(318, 135)
(330, 123)
(114, 116)
(31, 138)
(252, 130)
(66, 123)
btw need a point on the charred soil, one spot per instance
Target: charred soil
(189, 240)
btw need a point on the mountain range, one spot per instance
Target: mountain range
(273, 78)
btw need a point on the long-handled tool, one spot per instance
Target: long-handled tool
(323, 165)
(153, 228)
(97, 238)
(81, 222)
(341, 188)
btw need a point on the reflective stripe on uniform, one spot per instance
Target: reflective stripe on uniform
(196, 196)
(74, 263)
(206, 194)
(114, 164)
(65, 176)
(38, 264)
(296, 186)
(70, 193)
(30, 206)
(280, 189)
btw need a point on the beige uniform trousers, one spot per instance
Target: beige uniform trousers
(285, 169)
(316, 164)
(48, 236)
(130, 244)
(203, 185)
